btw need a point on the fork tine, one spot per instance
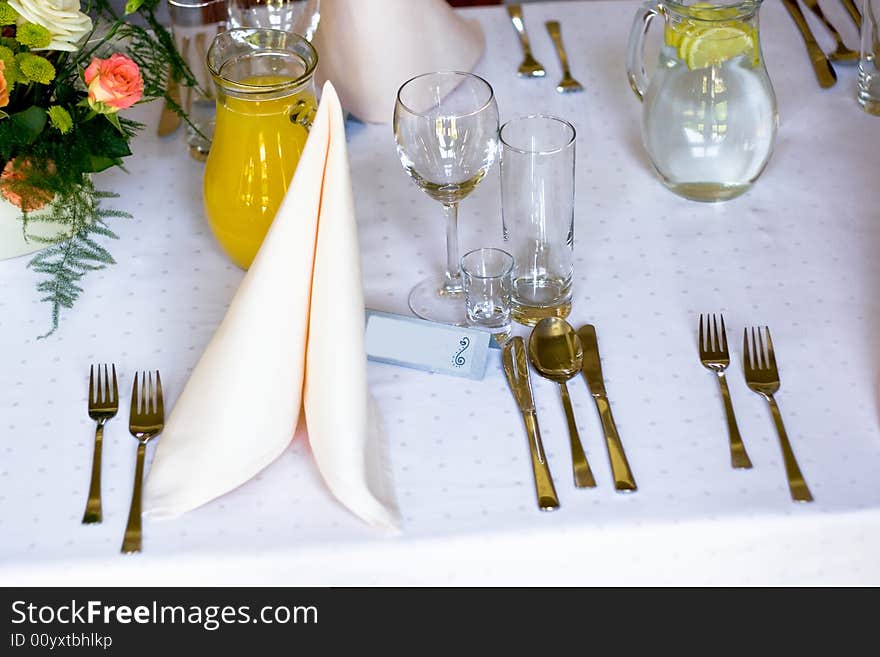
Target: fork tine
(160, 405)
(701, 336)
(106, 388)
(134, 395)
(91, 383)
(756, 359)
(115, 390)
(771, 357)
(723, 335)
(151, 397)
(747, 353)
(760, 348)
(716, 338)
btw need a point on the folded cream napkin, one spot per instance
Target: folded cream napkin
(298, 313)
(368, 48)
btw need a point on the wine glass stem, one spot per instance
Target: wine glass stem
(453, 262)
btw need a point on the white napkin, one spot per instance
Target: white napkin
(369, 48)
(298, 313)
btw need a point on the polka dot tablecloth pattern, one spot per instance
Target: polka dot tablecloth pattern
(796, 253)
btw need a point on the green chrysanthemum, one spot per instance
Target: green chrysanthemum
(35, 68)
(33, 35)
(8, 15)
(10, 68)
(60, 119)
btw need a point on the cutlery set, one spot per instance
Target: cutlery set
(558, 353)
(821, 63)
(530, 67)
(762, 377)
(146, 420)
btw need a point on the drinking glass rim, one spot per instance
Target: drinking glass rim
(193, 5)
(465, 74)
(524, 151)
(745, 8)
(264, 88)
(489, 249)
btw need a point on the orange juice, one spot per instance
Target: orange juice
(253, 155)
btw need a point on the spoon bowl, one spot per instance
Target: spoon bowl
(555, 350)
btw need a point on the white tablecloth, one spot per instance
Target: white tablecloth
(795, 253)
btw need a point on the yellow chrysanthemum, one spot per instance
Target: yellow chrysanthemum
(60, 119)
(8, 15)
(33, 36)
(35, 68)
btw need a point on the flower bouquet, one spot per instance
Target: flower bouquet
(65, 78)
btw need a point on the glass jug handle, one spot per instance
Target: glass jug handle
(304, 113)
(635, 54)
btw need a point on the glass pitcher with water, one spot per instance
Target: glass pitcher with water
(709, 112)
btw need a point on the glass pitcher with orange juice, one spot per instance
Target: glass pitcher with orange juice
(265, 105)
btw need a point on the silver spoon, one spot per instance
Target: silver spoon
(556, 353)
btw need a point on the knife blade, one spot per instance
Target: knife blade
(592, 371)
(821, 66)
(513, 358)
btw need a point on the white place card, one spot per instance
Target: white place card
(427, 346)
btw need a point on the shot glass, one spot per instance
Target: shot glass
(869, 62)
(486, 277)
(194, 24)
(537, 208)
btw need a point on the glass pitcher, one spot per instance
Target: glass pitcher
(709, 111)
(265, 106)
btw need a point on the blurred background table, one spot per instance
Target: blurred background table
(796, 253)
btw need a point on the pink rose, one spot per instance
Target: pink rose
(4, 90)
(114, 84)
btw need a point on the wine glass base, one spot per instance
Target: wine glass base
(429, 300)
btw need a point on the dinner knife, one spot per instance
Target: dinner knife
(592, 371)
(821, 66)
(513, 357)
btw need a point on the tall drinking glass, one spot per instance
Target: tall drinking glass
(537, 209)
(446, 128)
(869, 63)
(194, 24)
(297, 16)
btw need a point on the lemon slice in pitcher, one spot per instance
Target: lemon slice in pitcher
(714, 45)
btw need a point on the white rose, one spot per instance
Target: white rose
(65, 22)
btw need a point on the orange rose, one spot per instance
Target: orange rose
(114, 84)
(18, 192)
(4, 89)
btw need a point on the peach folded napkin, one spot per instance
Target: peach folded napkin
(369, 48)
(297, 315)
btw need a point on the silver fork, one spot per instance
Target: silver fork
(762, 376)
(530, 68)
(715, 357)
(146, 420)
(567, 84)
(103, 404)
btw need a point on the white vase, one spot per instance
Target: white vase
(12, 239)
(369, 48)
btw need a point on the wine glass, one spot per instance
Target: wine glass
(446, 128)
(297, 16)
